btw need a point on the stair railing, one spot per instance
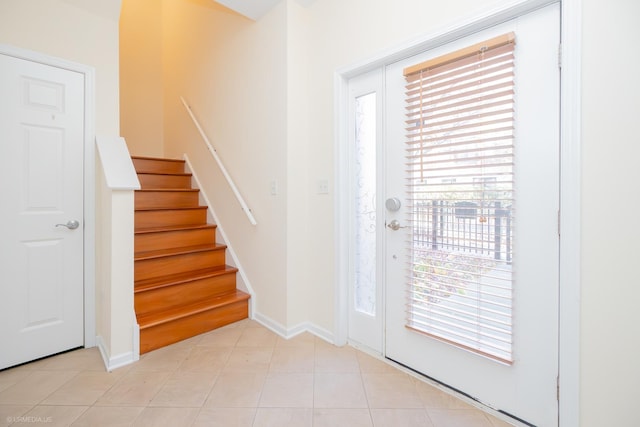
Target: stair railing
(213, 152)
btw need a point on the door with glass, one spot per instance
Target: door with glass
(471, 256)
(366, 223)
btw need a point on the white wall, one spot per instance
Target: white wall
(610, 323)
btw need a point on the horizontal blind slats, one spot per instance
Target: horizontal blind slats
(502, 354)
(466, 90)
(452, 320)
(452, 317)
(477, 120)
(492, 101)
(459, 165)
(450, 155)
(463, 332)
(441, 278)
(488, 46)
(486, 167)
(470, 65)
(505, 132)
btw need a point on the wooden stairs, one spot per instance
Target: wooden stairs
(183, 286)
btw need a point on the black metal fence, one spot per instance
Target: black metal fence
(463, 226)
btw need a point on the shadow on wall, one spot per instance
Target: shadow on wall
(211, 4)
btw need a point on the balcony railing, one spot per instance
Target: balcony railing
(475, 228)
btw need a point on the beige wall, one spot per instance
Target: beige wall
(117, 331)
(83, 31)
(299, 246)
(104, 260)
(341, 34)
(232, 72)
(115, 314)
(141, 107)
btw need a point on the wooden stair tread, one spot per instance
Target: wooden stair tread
(182, 284)
(167, 190)
(166, 173)
(174, 228)
(171, 208)
(157, 165)
(160, 159)
(178, 251)
(178, 278)
(158, 318)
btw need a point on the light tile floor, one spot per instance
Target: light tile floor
(239, 375)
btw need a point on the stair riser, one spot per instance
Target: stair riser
(174, 239)
(184, 293)
(197, 304)
(178, 330)
(158, 267)
(164, 181)
(170, 218)
(158, 166)
(165, 199)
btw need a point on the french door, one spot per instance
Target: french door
(472, 260)
(457, 242)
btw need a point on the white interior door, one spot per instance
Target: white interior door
(41, 184)
(523, 381)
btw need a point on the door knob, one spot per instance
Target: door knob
(393, 204)
(395, 225)
(72, 224)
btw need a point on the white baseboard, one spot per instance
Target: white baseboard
(114, 362)
(288, 333)
(136, 339)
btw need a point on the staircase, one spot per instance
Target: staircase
(183, 286)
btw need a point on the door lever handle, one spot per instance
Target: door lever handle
(72, 224)
(395, 225)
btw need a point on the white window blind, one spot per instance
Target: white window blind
(460, 176)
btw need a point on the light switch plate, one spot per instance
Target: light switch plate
(323, 186)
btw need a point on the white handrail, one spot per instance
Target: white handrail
(213, 152)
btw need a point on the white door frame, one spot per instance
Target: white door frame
(89, 176)
(570, 178)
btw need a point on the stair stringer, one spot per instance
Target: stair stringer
(242, 281)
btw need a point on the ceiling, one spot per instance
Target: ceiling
(254, 9)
